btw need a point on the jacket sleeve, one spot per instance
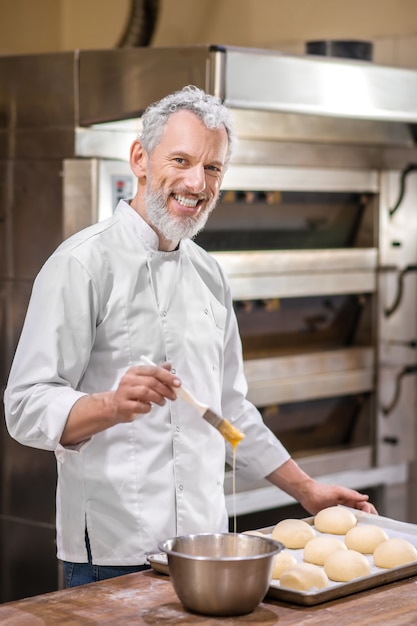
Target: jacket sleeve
(52, 353)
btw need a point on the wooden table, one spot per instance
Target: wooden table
(148, 598)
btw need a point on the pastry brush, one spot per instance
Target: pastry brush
(232, 434)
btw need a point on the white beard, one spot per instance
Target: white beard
(172, 228)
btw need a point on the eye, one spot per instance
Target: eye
(179, 160)
(212, 168)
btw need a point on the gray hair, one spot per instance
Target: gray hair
(209, 109)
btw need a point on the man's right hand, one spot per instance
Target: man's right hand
(139, 388)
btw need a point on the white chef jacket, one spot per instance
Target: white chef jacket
(105, 297)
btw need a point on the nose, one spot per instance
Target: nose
(195, 178)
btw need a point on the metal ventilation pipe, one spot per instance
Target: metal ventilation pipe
(141, 24)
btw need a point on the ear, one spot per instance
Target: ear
(138, 159)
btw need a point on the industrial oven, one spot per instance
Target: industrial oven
(316, 229)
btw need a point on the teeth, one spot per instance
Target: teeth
(188, 202)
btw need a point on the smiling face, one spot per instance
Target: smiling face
(179, 182)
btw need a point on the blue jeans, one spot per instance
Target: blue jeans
(83, 573)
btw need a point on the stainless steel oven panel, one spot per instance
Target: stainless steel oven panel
(316, 154)
(293, 285)
(279, 274)
(310, 376)
(120, 83)
(104, 142)
(259, 80)
(79, 194)
(310, 364)
(290, 127)
(311, 387)
(270, 178)
(238, 264)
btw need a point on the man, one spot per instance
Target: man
(136, 465)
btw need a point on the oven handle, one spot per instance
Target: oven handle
(408, 369)
(390, 310)
(410, 168)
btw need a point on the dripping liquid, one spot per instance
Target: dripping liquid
(234, 488)
(234, 437)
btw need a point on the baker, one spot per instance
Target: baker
(135, 464)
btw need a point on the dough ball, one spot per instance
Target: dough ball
(345, 565)
(365, 538)
(282, 561)
(335, 520)
(293, 533)
(394, 552)
(318, 549)
(303, 577)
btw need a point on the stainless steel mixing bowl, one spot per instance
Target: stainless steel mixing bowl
(221, 574)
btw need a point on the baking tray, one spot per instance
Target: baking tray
(377, 577)
(159, 563)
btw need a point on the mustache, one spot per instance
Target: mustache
(187, 192)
